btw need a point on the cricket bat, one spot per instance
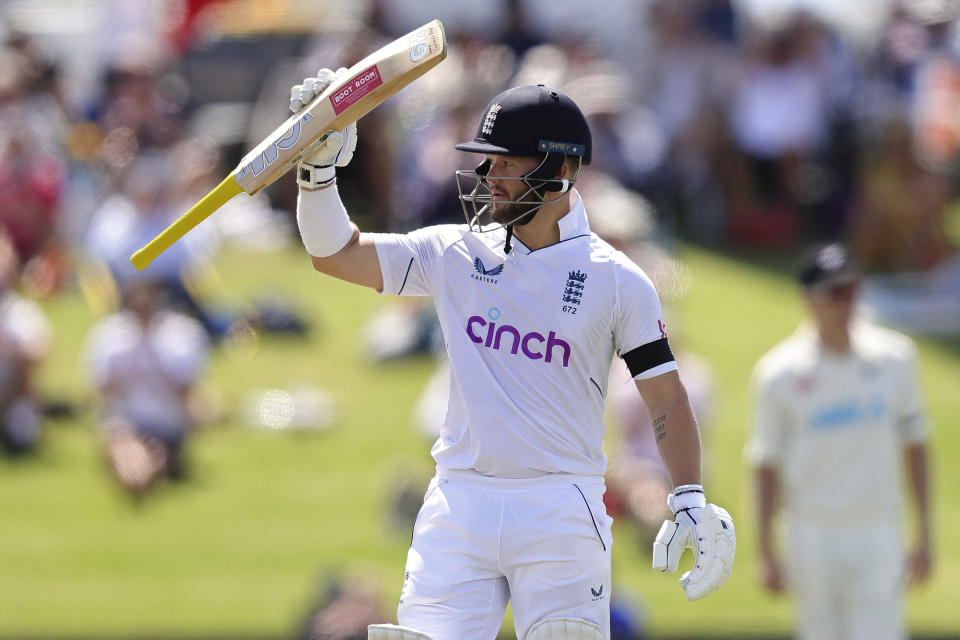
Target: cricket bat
(365, 86)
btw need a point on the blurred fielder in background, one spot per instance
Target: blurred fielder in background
(837, 405)
(533, 307)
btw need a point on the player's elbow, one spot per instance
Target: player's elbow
(327, 265)
(335, 263)
(334, 266)
(356, 262)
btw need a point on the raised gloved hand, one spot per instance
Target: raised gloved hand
(705, 528)
(334, 148)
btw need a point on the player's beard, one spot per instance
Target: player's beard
(508, 212)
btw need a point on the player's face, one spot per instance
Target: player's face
(834, 304)
(503, 189)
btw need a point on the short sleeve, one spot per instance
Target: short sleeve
(766, 444)
(409, 261)
(640, 334)
(911, 414)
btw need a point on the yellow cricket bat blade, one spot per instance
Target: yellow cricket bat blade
(199, 212)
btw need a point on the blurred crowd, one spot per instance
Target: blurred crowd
(712, 122)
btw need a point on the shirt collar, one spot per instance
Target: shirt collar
(808, 332)
(574, 223)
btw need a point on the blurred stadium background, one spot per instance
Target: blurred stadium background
(728, 136)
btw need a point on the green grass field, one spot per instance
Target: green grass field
(239, 550)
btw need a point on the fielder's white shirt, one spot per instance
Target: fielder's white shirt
(530, 335)
(836, 424)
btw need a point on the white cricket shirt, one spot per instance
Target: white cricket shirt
(530, 337)
(836, 424)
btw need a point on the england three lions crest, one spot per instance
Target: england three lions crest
(573, 289)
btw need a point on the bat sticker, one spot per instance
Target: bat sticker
(364, 83)
(418, 46)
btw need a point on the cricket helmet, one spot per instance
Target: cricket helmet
(532, 121)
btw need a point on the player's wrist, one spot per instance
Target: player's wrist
(314, 176)
(323, 222)
(686, 496)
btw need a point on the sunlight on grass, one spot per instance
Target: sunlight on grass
(241, 547)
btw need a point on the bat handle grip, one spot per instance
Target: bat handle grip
(179, 227)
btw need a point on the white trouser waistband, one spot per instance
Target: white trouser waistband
(549, 480)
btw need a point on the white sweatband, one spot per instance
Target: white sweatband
(324, 225)
(311, 176)
(686, 496)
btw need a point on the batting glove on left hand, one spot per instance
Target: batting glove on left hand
(332, 149)
(705, 528)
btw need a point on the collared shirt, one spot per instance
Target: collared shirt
(836, 424)
(530, 337)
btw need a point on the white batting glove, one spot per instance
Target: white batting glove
(334, 148)
(705, 528)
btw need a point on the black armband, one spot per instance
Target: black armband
(647, 356)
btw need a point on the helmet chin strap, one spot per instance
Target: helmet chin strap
(537, 180)
(565, 186)
(522, 220)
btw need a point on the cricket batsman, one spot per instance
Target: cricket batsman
(533, 307)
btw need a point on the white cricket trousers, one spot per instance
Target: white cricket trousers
(847, 579)
(478, 542)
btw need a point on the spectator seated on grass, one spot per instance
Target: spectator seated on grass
(24, 343)
(145, 361)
